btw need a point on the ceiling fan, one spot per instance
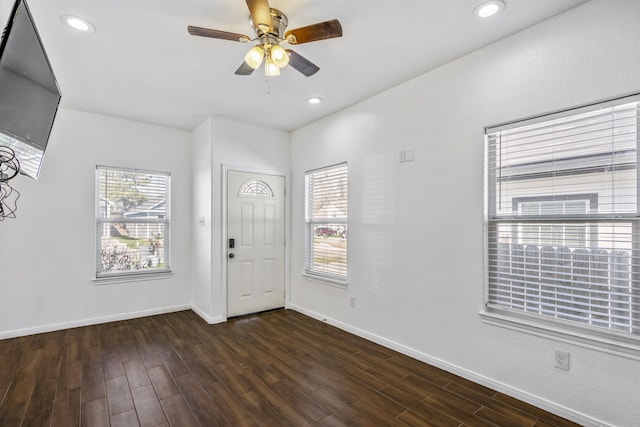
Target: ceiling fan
(269, 26)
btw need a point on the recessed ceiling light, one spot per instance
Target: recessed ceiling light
(78, 23)
(314, 100)
(489, 8)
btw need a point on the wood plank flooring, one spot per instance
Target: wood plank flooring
(273, 369)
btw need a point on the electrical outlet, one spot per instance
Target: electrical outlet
(561, 360)
(409, 154)
(352, 301)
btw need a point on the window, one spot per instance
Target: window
(563, 218)
(132, 222)
(326, 217)
(555, 234)
(255, 188)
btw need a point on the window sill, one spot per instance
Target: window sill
(126, 278)
(607, 342)
(338, 283)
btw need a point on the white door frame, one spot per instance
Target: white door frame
(223, 244)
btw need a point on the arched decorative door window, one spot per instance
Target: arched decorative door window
(255, 188)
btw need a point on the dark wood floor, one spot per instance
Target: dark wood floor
(273, 369)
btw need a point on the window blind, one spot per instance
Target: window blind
(326, 217)
(132, 221)
(563, 230)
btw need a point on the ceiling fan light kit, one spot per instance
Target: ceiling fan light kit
(269, 26)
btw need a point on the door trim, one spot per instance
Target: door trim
(223, 243)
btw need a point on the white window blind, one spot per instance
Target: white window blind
(326, 217)
(563, 228)
(132, 221)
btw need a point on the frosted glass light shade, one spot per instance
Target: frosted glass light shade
(279, 56)
(254, 57)
(271, 69)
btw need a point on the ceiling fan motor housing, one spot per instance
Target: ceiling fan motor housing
(279, 24)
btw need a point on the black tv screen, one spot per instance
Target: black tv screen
(29, 94)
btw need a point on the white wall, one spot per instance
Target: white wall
(416, 229)
(201, 161)
(218, 143)
(47, 253)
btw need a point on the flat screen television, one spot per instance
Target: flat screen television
(29, 93)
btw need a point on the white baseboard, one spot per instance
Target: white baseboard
(541, 403)
(209, 319)
(91, 321)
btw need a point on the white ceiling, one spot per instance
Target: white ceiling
(141, 63)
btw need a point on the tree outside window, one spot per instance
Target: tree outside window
(132, 221)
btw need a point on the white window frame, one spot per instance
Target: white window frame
(626, 344)
(311, 224)
(164, 250)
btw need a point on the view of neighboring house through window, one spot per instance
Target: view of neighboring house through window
(576, 234)
(563, 218)
(326, 217)
(132, 221)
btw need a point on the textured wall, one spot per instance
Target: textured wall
(220, 143)
(47, 253)
(416, 228)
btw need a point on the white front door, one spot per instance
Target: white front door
(255, 242)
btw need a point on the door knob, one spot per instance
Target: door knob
(232, 256)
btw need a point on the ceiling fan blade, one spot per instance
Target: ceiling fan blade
(320, 31)
(217, 34)
(302, 64)
(244, 69)
(260, 14)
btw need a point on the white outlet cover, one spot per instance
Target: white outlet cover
(561, 360)
(409, 154)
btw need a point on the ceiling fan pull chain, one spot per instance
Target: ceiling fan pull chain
(267, 83)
